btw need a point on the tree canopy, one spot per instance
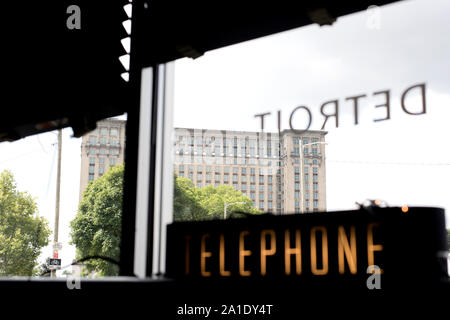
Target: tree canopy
(22, 232)
(96, 230)
(193, 203)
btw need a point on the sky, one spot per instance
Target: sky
(405, 160)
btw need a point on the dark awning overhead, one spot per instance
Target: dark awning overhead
(57, 77)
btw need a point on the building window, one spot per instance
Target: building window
(91, 160)
(226, 178)
(315, 178)
(306, 177)
(305, 151)
(297, 194)
(315, 162)
(235, 178)
(91, 168)
(297, 177)
(306, 195)
(269, 179)
(315, 186)
(316, 195)
(91, 177)
(261, 187)
(181, 168)
(269, 205)
(315, 170)
(103, 131)
(101, 160)
(316, 204)
(306, 186)
(314, 151)
(101, 170)
(305, 140)
(296, 150)
(297, 186)
(92, 140)
(261, 205)
(115, 133)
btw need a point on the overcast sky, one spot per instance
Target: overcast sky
(405, 160)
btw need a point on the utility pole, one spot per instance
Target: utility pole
(226, 206)
(225, 210)
(58, 191)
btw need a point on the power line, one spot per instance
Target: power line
(20, 156)
(391, 163)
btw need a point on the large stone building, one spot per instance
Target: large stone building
(280, 173)
(101, 149)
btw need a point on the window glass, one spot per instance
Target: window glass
(82, 192)
(374, 98)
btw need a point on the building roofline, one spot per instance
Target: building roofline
(286, 131)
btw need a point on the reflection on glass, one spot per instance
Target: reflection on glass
(379, 94)
(89, 202)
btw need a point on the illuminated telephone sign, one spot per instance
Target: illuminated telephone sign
(338, 245)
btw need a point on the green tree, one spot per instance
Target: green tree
(193, 203)
(22, 232)
(96, 230)
(213, 200)
(186, 204)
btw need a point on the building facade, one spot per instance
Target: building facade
(101, 149)
(280, 172)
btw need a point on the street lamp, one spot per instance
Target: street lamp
(225, 208)
(302, 176)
